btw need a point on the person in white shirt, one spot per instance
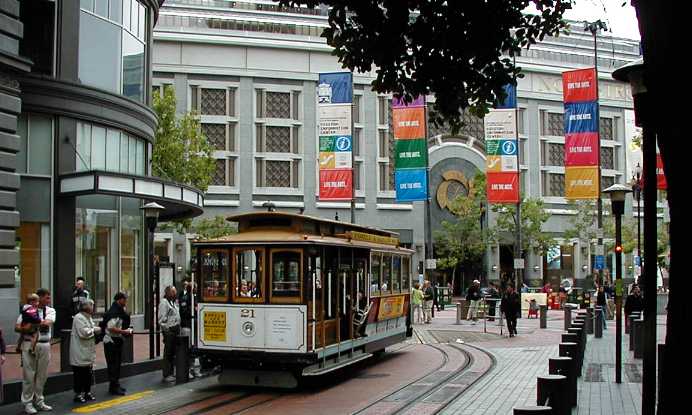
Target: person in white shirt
(35, 365)
(169, 321)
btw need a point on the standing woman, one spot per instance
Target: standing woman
(83, 351)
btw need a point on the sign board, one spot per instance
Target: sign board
(600, 262)
(431, 264)
(519, 263)
(369, 237)
(391, 307)
(500, 123)
(214, 326)
(599, 248)
(411, 184)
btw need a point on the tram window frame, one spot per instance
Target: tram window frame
(405, 273)
(388, 255)
(215, 298)
(396, 274)
(237, 298)
(290, 299)
(375, 278)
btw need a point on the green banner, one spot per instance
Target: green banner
(411, 154)
(327, 143)
(492, 147)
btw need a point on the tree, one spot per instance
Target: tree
(460, 51)
(181, 152)
(533, 216)
(463, 241)
(583, 224)
(211, 228)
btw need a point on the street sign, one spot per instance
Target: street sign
(600, 262)
(430, 263)
(518, 263)
(599, 250)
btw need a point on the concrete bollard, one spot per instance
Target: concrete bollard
(632, 317)
(64, 350)
(552, 390)
(571, 349)
(564, 366)
(598, 328)
(639, 339)
(459, 309)
(589, 321)
(580, 345)
(567, 316)
(182, 359)
(527, 410)
(543, 314)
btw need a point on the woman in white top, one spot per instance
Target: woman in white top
(83, 351)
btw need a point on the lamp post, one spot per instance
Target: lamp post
(633, 73)
(637, 193)
(617, 193)
(151, 216)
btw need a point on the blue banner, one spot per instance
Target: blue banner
(581, 117)
(335, 88)
(511, 100)
(599, 262)
(411, 184)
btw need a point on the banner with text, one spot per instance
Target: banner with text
(335, 159)
(502, 165)
(411, 149)
(581, 182)
(411, 184)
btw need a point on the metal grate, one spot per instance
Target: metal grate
(607, 181)
(278, 139)
(607, 161)
(219, 178)
(556, 185)
(553, 124)
(213, 101)
(278, 105)
(278, 173)
(606, 128)
(216, 135)
(556, 154)
(473, 127)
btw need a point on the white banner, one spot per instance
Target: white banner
(334, 119)
(500, 123)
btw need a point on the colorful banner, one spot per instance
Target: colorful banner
(335, 160)
(581, 117)
(336, 184)
(503, 187)
(411, 184)
(581, 182)
(579, 86)
(500, 124)
(408, 123)
(661, 183)
(411, 154)
(391, 307)
(581, 149)
(400, 103)
(511, 99)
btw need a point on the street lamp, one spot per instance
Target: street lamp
(637, 192)
(633, 73)
(617, 193)
(151, 216)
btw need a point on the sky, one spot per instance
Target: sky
(621, 20)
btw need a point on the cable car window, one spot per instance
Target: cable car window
(396, 273)
(386, 286)
(249, 273)
(214, 274)
(286, 275)
(375, 273)
(405, 274)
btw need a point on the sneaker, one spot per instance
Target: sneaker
(43, 407)
(169, 379)
(79, 398)
(89, 397)
(29, 409)
(119, 392)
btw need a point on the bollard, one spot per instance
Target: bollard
(589, 321)
(639, 339)
(634, 316)
(65, 350)
(551, 389)
(570, 349)
(568, 316)
(598, 328)
(182, 359)
(459, 308)
(128, 349)
(581, 348)
(527, 410)
(564, 366)
(543, 310)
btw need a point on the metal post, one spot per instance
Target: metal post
(148, 288)
(594, 28)
(428, 215)
(598, 328)
(618, 300)
(353, 167)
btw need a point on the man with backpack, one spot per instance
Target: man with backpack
(115, 324)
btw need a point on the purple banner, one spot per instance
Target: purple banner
(399, 102)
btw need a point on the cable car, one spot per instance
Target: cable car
(290, 296)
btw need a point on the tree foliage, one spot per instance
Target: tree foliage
(583, 225)
(460, 51)
(533, 216)
(181, 152)
(210, 228)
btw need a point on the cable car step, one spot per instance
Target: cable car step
(332, 364)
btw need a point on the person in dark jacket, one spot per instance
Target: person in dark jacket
(633, 303)
(473, 296)
(116, 324)
(602, 301)
(491, 299)
(511, 307)
(79, 295)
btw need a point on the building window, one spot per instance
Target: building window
(521, 112)
(607, 181)
(552, 124)
(607, 159)
(100, 148)
(556, 154)
(553, 184)
(385, 148)
(606, 129)
(120, 66)
(35, 144)
(357, 166)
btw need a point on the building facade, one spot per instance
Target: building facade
(250, 69)
(81, 162)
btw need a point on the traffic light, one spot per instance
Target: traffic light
(618, 249)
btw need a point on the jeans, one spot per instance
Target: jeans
(82, 377)
(169, 340)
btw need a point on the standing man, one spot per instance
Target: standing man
(633, 303)
(117, 324)
(427, 302)
(79, 295)
(602, 301)
(511, 306)
(473, 296)
(35, 363)
(169, 321)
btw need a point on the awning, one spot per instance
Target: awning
(181, 201)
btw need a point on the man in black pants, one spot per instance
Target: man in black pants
(117, 324)
(511, 306)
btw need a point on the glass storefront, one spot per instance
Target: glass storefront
(109, 248)
(108, 149)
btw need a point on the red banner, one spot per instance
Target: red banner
(503, 187)
(579, 85)
(661, 183)
(336, 184)
(581, 149)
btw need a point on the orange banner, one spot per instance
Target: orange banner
(581, 182)
(391, 307)
(409, 123)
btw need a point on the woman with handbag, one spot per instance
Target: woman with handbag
(169, 321)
